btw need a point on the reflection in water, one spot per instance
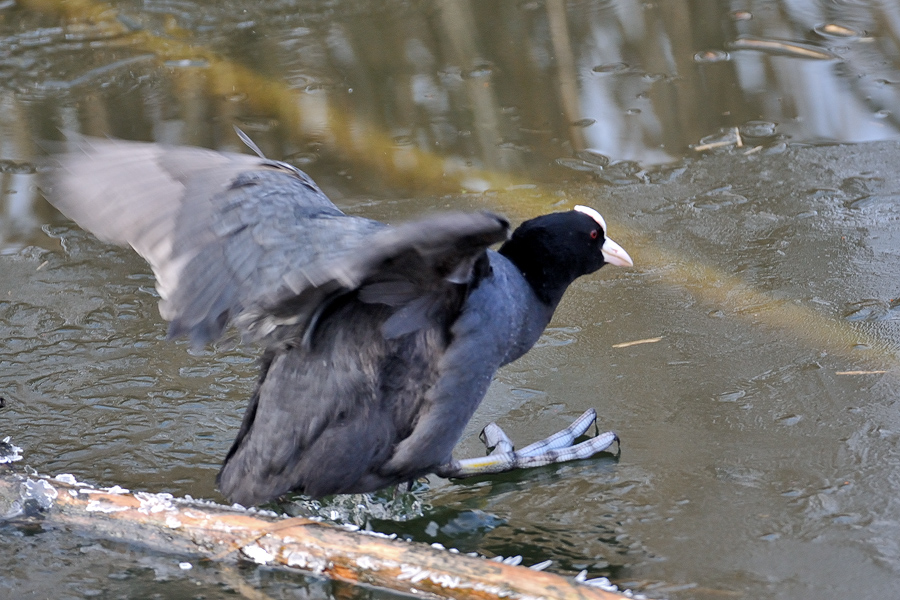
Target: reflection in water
(448, 91)
(759, 442)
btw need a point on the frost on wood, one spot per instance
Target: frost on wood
(204, 529)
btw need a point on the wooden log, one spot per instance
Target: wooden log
(215, 532)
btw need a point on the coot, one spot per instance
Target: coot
(378, 342)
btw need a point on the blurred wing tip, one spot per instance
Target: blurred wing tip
(248, 142)
(500, 219)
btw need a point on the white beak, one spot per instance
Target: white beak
(614, 254)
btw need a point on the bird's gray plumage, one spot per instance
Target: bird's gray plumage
(372, 365)
(234, 238)
(392, 409)
(379, 342)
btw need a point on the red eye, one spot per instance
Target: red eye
(594, 234)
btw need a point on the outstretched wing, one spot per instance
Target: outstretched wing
(234, 238)
(410, 267)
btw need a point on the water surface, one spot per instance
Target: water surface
(745, 156)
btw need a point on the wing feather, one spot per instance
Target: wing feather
(239, 239)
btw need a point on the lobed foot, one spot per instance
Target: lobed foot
(557, 448)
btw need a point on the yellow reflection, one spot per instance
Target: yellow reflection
(414, 168)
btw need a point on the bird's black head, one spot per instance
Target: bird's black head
(553, 250)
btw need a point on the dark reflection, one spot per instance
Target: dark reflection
(473, 515)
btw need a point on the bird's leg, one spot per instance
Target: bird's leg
(495, 439)
(551, 450)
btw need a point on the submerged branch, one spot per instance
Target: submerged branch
(216, 532)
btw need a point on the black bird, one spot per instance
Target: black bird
(379, 342)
